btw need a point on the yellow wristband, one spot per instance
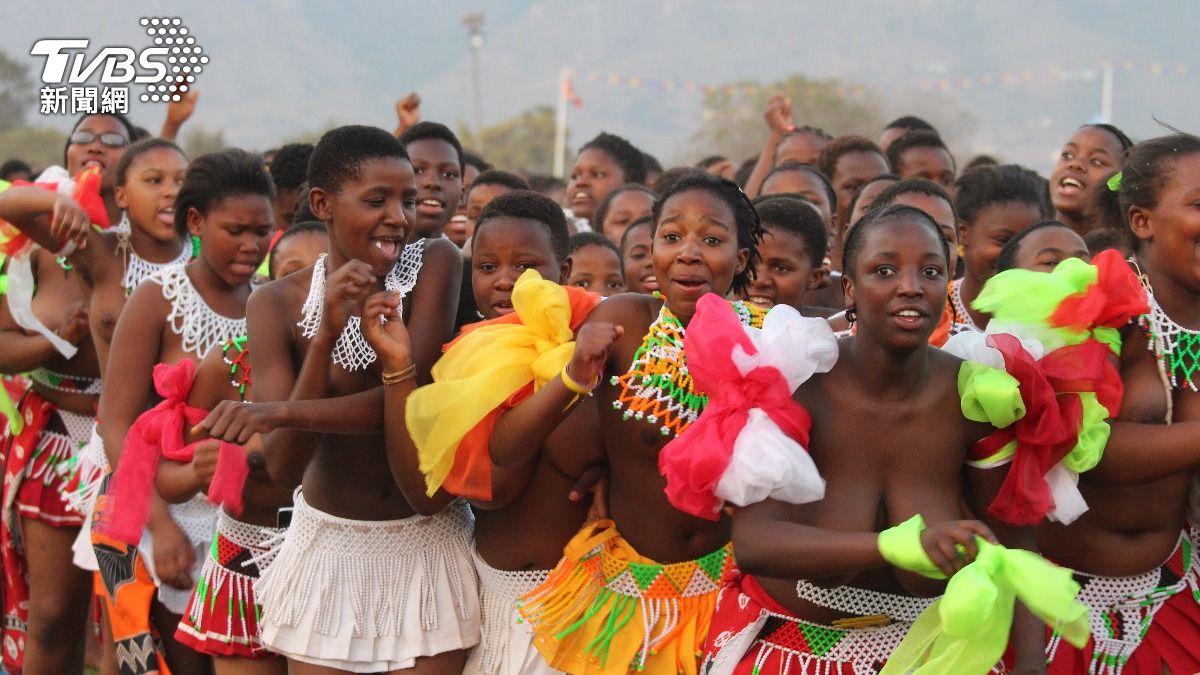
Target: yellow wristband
(574, 386)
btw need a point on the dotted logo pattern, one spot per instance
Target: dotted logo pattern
(185, 59)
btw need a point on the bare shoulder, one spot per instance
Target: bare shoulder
(282, 297)
(441, 264)
(440, 251)
(147, 303)
(634, 311)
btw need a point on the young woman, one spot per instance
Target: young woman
(43, 459)
(1089, 157)
(854, 601)
(705, 235)
(994, 204)
(1132, 549)
(180, 312)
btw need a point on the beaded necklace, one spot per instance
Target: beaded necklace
(137, 268)
(1176, 348)
(199, 326)
(352, 351)
(657, 389)
(962, 321)
(239, 365)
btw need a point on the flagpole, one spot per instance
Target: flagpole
(1106, 94)
(560, 122)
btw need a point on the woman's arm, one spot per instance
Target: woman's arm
(766, 542)
(779, 119)
(521, 432)
(1143, 453)
(51, 220)
(434, 305)
(393, 346)
(135, 350)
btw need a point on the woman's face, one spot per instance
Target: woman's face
(98, 141)
(625, 208)
(1085, 161)
(234, 236)
(151, 183)
(595, 175)
(1169, 233)
(898, 283)
(984, 238)
(696, 249)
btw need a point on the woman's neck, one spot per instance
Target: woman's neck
(1079, 221)
(898, 374)
(1180, 303)
(152, 250)
(110, 206)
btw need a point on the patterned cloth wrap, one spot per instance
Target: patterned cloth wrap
(752, 634)
(222, 615)
(33, 488)
(607, 609)
(124, 584)
(1141, 624)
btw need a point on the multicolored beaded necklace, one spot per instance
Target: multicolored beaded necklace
(239, 364)
(657, 389)
(1177, 348)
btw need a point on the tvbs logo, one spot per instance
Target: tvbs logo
(167, 68)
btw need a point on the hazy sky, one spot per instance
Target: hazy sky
(285, 67)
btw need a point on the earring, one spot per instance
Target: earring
(852, 314)
(961, 251)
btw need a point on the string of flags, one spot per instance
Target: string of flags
(1047, 75)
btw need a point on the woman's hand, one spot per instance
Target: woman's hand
(592, 344)
(69, 222)
(951, 545)
(173, 555)
(74, 327)
(390, 340)
(345, 290)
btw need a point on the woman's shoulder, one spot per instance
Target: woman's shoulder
(633, 311)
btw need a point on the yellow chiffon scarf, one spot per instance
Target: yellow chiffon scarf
(487, 369)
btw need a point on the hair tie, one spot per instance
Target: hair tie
(1114, 183)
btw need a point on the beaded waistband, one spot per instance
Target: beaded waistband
(863, 601)
(71, 384)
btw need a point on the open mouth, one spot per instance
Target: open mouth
(1070, 185)
(167, 216)
(909, 319)
(581, 196)
(503, 307)
(761, 301)
(243, 268)
(388, 248)
(431, 207)
(650, 282)
(693, 286)
(89, 163)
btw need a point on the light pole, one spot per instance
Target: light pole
(474, 23)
